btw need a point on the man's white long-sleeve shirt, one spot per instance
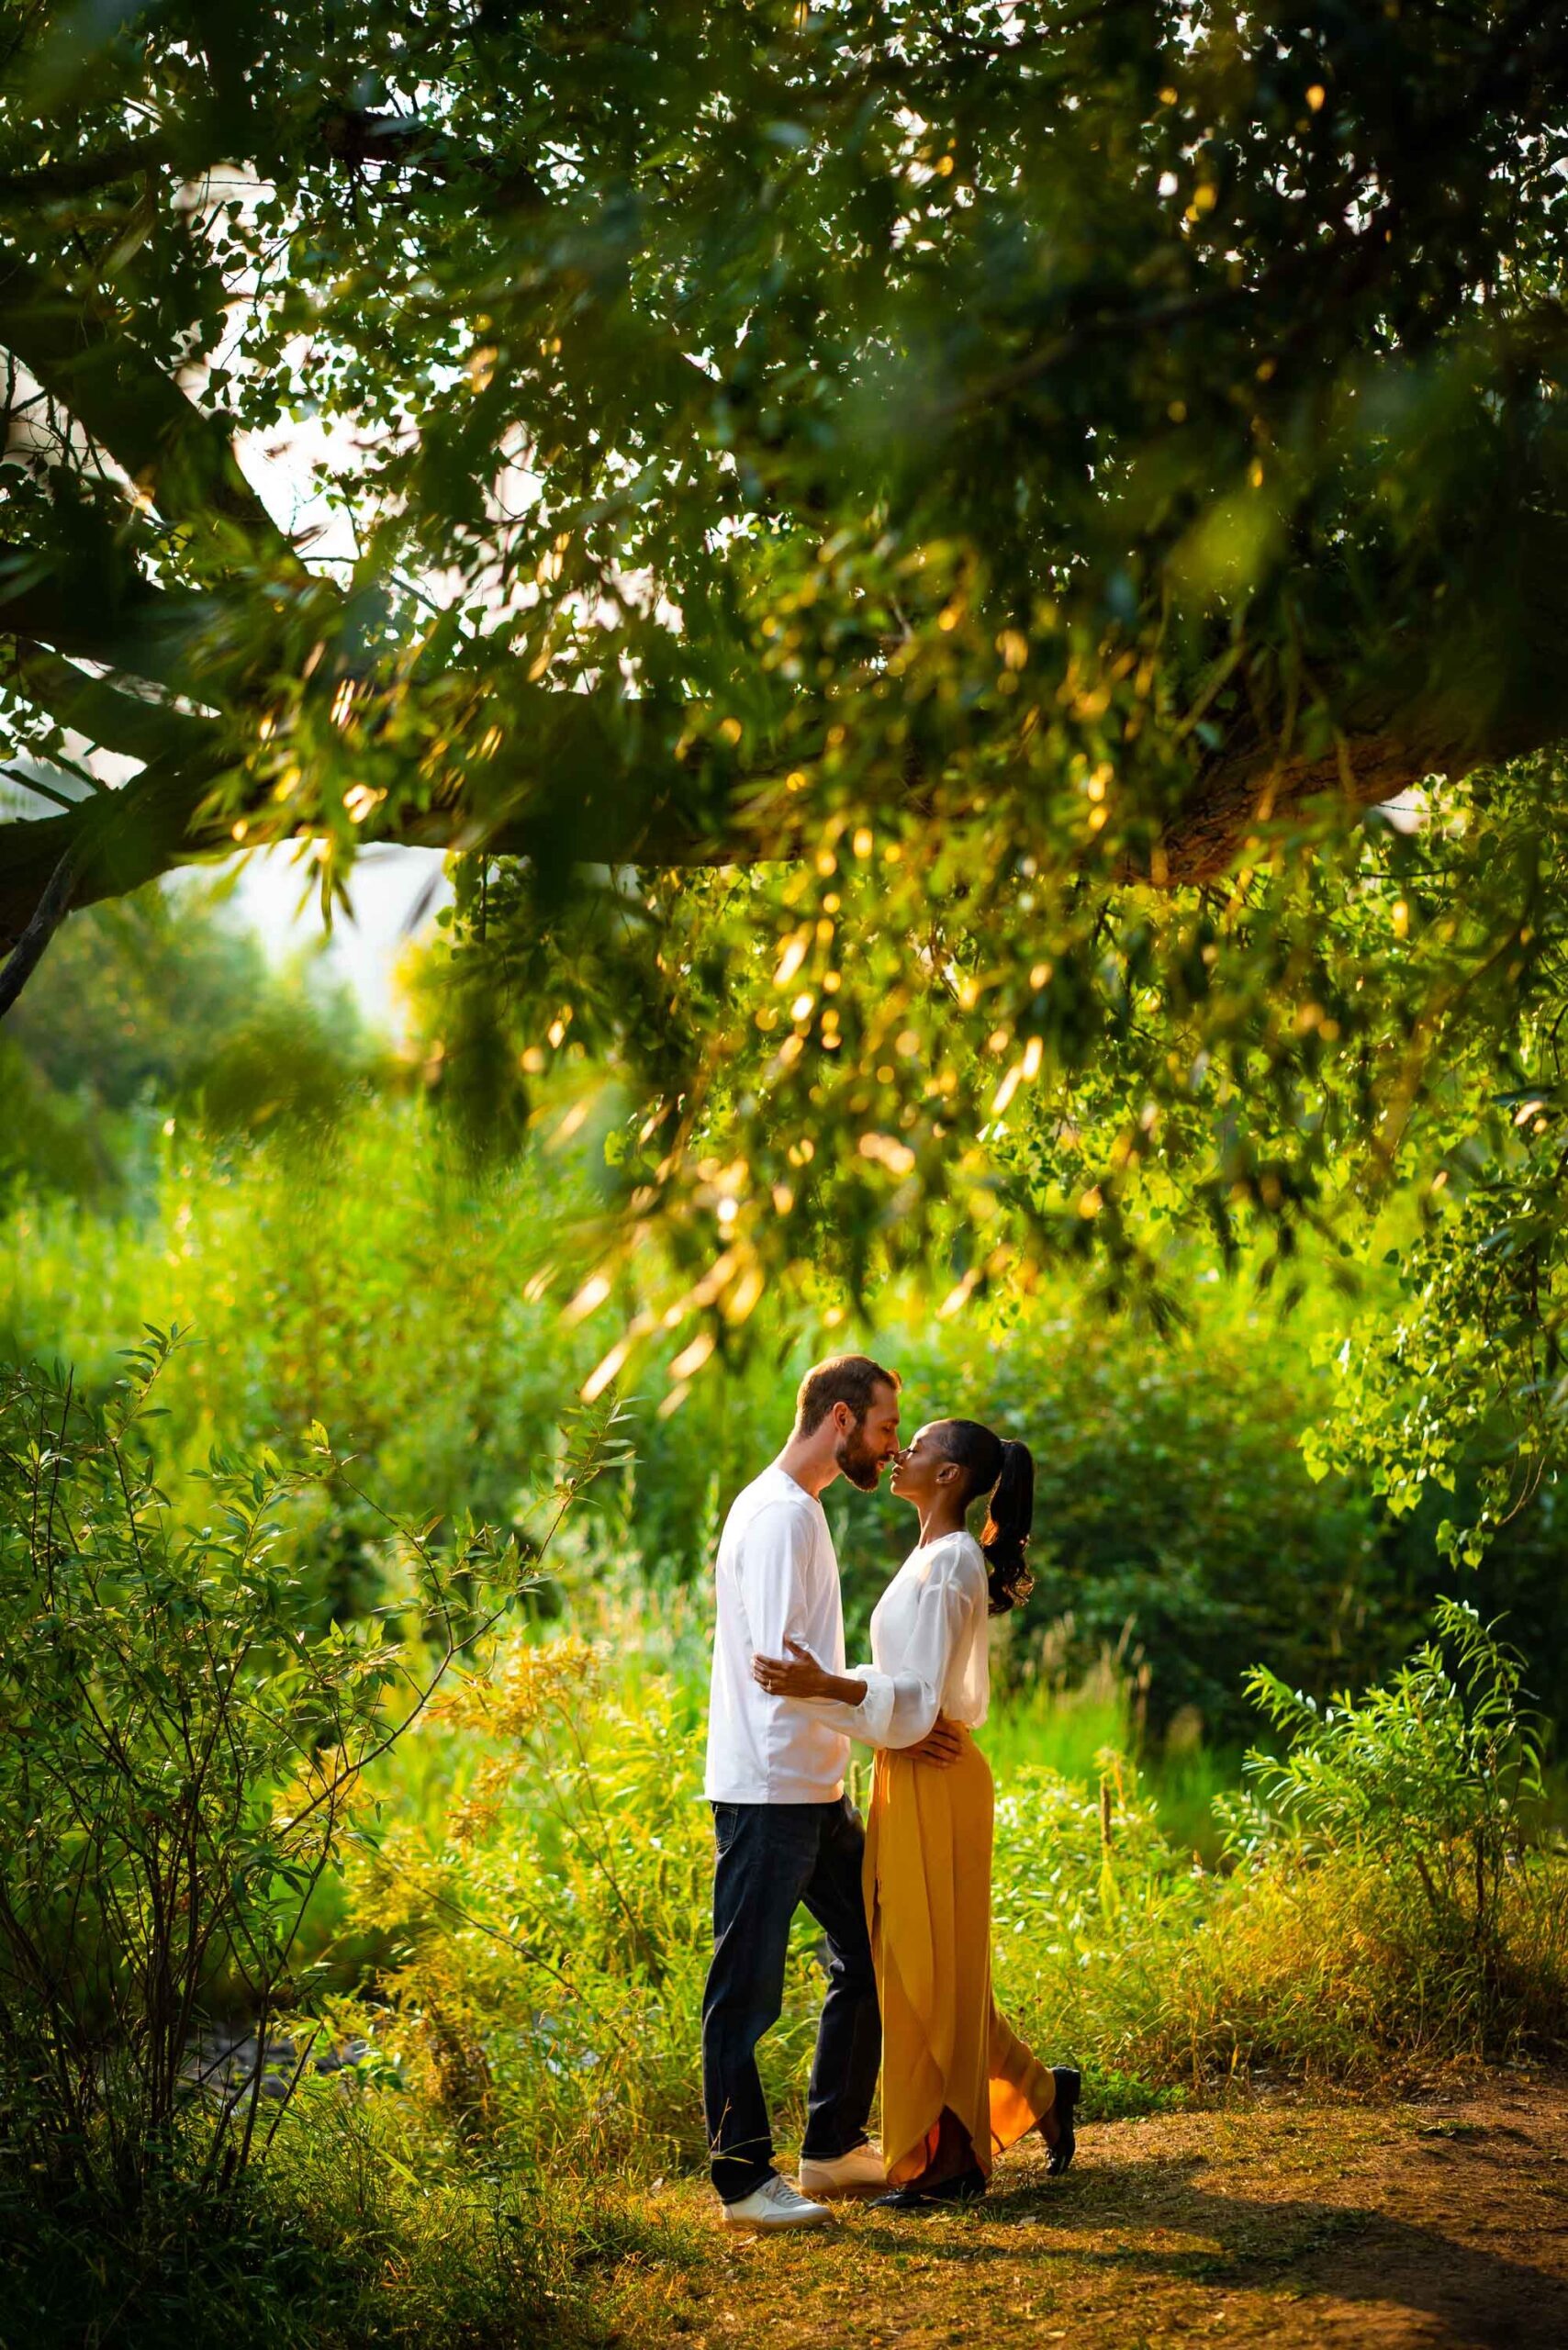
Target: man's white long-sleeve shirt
(777, 1578)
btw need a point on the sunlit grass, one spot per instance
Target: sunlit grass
(522, 1935)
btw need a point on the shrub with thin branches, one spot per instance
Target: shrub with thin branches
(183, 1761)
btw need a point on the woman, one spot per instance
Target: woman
(958, 2084)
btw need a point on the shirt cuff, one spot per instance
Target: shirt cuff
(870, 1720)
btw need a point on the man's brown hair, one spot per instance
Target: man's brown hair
(843, 1379)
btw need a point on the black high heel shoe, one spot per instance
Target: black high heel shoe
(968, 2186)
(1069, 2083)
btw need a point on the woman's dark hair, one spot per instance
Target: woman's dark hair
(995, 1465)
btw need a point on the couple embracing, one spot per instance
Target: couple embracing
(904, 1903)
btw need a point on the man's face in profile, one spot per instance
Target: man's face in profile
(866, 1447)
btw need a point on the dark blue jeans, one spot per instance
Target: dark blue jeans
(771, 1857)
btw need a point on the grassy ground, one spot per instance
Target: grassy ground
(1438, 2219)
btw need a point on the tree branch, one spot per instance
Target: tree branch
(70, 175)
(47, 916)
(33, 783)
(1246, 786)
(101, 848)
(83, 610)
(356, 139)
(124, 399)
(136, 728)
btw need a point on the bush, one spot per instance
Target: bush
(551, 1916)
(370, 2224)
(181, 1763)
(1420, 1793)
(158, 1001)
(549, 1905)
(374, 1284)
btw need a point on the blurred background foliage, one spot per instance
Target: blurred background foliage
(343, 1254)
(158, 1004)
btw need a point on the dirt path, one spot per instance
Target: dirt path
(1437, 2220)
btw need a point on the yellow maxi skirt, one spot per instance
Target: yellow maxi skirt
(927, 1880)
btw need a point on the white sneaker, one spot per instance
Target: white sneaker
(860, 2172)
(774, 2204)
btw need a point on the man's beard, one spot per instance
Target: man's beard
(859, 1462)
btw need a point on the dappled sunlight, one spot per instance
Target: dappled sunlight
(825, 736)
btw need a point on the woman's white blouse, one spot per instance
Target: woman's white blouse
(929, 1649)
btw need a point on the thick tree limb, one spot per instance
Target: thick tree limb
(135, 727)
(1488, 686)
(70, 176)
(618, 823)
(139, 631)
(163, 834)
(47, 916)
(1243, 794)
(107, 847)
(580, 780)
(577, 779)
(123, 399)
(356, 139)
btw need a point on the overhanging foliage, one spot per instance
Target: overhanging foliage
(897, 547)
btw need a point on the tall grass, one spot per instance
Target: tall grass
(522, 1935)
(545, 1890)
(371, 1282)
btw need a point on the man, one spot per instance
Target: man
(784, 1831)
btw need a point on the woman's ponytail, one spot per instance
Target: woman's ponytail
(1006, 1529)
(991, 1464)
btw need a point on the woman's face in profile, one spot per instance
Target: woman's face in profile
(922, 1467)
